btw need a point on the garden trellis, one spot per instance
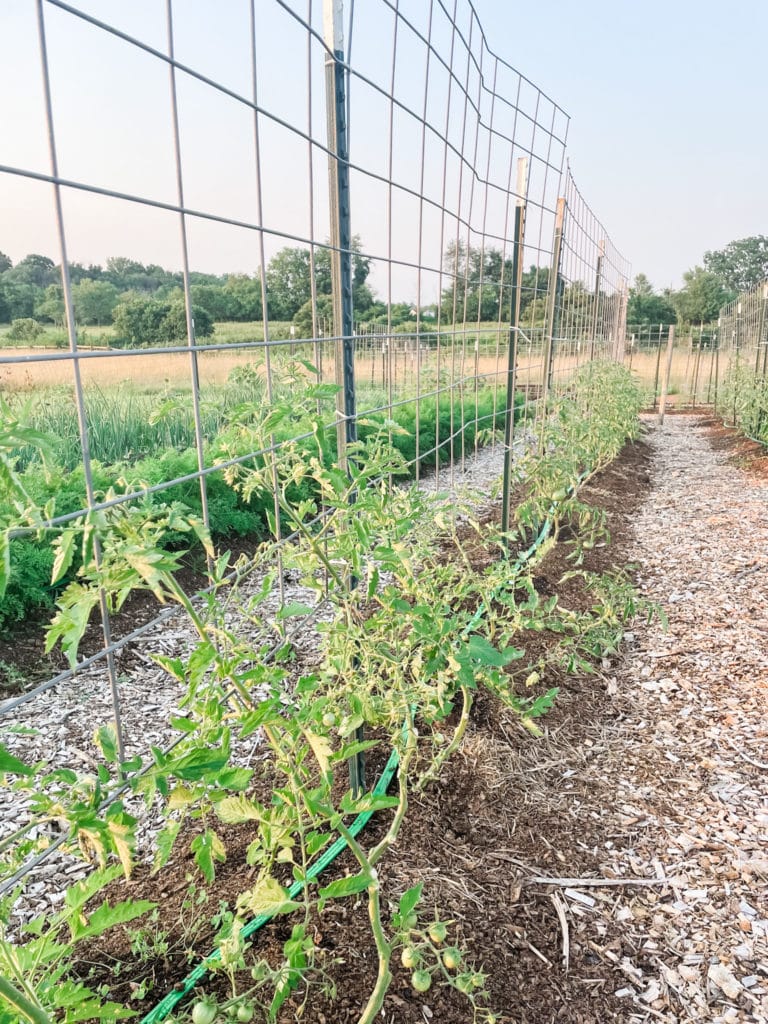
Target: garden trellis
(393, 133)
(743, 332)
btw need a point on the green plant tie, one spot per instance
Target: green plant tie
(164, 1007)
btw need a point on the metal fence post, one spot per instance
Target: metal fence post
(596, 298)
(341, 233)
(514, 324)
(619, 343)
(658, 366)
(762, 337)
(667, 372)
(341, 263)
(553, 294)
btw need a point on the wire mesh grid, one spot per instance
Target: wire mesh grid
(742, 329)
(332, 156)
(743, 325)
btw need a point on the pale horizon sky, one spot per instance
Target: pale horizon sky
(666, 100)
(664, 138)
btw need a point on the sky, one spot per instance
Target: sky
(667, 100)
(665, 138)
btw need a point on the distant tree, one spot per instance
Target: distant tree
(174, 324)
(479, 285)
(25, 329)
(216, 300)
(78, 272)
(646, 307)
(153, 322)
(94, 301)
(17, 299)
(361, 267)
(197, 277)
(533, 293)
(535, 312)
(5, 263)
(288, 282)
(701, 298)
(243, 297)
(129, 275)
(137, 321)
(303, 319)
(36, 270)
(494, 295)
(577, 306)
(50, 304)
(741, 264)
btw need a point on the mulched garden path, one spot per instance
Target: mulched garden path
(614, 869)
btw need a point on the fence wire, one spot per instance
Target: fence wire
(743, 332)
(392, 199)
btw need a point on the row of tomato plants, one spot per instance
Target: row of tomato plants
(411, 641)
(743, 399)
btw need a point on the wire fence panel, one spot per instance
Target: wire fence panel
(743, 325)
(370, 222)
(696, 368)
(743, 340)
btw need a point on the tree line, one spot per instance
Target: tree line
(145, 303)
(739, 266)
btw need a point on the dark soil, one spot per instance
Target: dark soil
(741, 450)
(475, 837)
(24, 662)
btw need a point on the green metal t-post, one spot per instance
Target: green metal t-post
(341, 263)
(514, 325)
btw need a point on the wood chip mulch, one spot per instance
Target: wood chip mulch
(688, 762)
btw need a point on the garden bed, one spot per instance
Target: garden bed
(476, 837)
(442, 633)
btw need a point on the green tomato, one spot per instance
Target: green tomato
(259, 971)
(329, 720)
(421, 981)
(559, 495)
(437, 932)
(204, 1012)
(410, 921)
(409, 957)
(451, 958)
(245, 1012)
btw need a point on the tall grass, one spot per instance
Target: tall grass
(127, 424)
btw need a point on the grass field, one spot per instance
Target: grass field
(693, 374)
(456, 354)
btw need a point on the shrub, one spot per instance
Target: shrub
(25, 329)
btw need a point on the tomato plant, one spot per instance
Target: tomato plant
(412, 639)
